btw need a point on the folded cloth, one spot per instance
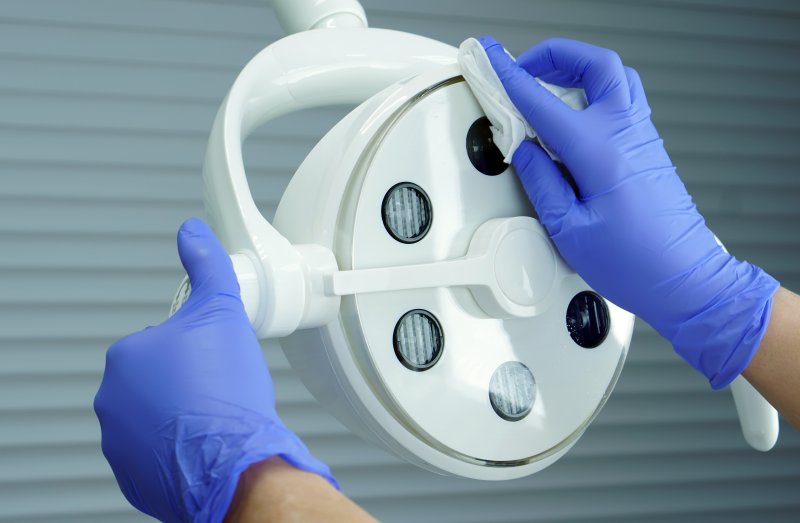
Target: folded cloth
(509, 127)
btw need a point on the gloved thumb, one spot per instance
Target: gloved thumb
(548, 190)
(208, 265)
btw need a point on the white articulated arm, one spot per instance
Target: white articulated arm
(304, 70)
(301, 15)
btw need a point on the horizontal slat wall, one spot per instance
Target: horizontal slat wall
(105, 106)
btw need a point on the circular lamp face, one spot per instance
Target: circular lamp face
(448, 378)
(475, 400)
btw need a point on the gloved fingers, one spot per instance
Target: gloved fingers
(540, 107)
(598, 70)
(636, 88)
(209, 267)
(548, 190)
(561, 79)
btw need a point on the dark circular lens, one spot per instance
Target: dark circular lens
(587, 319)
(418, 340)
(407, 212)
(512, 391)
(481, 149)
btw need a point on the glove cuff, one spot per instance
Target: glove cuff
(273, 440)
(721, 339)
(203, 457)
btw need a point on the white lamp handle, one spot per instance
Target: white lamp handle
(308, 69)
(759, 419)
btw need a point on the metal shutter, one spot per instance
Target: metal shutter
(105, 106)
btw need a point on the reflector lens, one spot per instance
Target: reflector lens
(418, 340)
(481, 149)
(512, 391)
(407, 212)
(587, 319)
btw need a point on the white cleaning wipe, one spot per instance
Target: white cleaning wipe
(509, 127)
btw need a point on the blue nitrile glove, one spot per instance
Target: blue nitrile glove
(186, 406)
(632, 231)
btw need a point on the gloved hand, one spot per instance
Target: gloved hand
(187, 406)
(631, 231)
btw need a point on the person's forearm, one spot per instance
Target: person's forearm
(775, 368)
(273, 491)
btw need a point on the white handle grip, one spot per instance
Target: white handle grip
(510, 269)
(247, 275)
(758, 418)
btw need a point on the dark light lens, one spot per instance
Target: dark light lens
(588, 322)
(407, 212)
(418, 340)
(481, 149)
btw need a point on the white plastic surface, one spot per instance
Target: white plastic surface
(510, 268)
(248, 272)
(759, 419)
(300, 15)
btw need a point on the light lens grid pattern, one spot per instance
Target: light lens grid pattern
(407, 212)
(418, 340)
(512, 391)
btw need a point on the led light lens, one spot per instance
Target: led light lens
(407, 213)
(587, 319)
(418, 340)
(512, 391)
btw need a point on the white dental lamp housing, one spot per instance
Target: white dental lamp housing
(441, 418)
(416, 295)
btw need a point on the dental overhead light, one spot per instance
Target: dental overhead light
(413, 290)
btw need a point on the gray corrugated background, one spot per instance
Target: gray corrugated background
(105, 106)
